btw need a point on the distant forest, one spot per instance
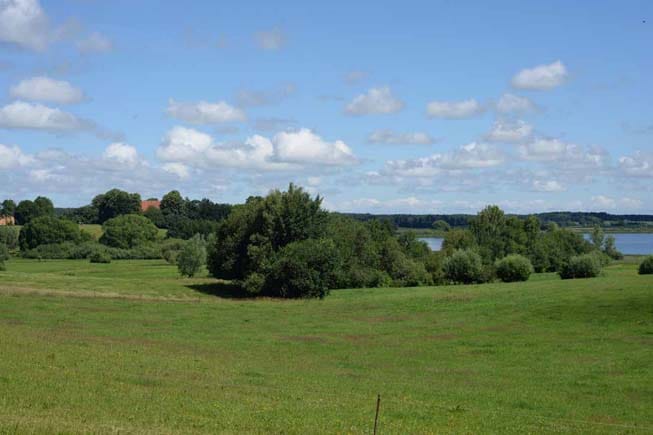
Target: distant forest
(562, 218)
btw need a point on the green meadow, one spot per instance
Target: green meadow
(130, 347)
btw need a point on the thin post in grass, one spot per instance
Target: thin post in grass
(376, 417)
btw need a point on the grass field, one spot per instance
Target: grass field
(130, 347)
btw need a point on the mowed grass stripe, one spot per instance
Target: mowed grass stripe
(546, 355)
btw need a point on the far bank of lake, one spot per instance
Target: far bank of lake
(627, 243)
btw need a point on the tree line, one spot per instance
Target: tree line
(286, 245)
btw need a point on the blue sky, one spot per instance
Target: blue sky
(413, 107)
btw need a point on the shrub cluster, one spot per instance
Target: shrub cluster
(192, 256)
(646, 266)
(9, 236)
(464, 266)
(100, 257)
(4, 255)
(79, 251)
(582, 266)
(514, 268)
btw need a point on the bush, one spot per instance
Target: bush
(581, 266)
(128, 231)
(170, 249)
(48, 230)
(192, 257)
(463, 266)
(4, 255)
(100, 257)
(514, 268)
(646, 267)
(9, 236)
(303, 269)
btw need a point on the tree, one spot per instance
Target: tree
(253, 232)
(116, 202)
(463, 267)
(28, 210)
(598, 237)
(128, 231)
(8, 208)
(9, 236)
(514, 268)
(441, 225)
(192, 257)
(45, 206)
(46, 230)
(173, 203)
(488, 228)
(457, 239)
(4, 256)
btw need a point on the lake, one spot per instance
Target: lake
(627, 243)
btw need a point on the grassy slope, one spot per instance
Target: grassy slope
(547, 355)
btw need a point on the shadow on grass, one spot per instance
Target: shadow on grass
(222, 290)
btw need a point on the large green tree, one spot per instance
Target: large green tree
(47, 230)
(128, 231)
(116, 202)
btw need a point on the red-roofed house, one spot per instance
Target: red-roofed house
(149, 204)
(7, 220)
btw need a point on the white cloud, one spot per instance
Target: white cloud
(410, 204)
(179, 169)
(470, 156)
(393, 138)
(509, 131)
(24, 23)
(548, 186)
(639, 165)
(271, 40)
(95, 43)
(454, 109)
(541, 77)
(46, 89)
(603, 202)
(375, 101)
(205, 113)
(510, 103)
(286, 151)
(11, 156)
(304, 146)
(22, 115)
(121, 153)
(568, 156)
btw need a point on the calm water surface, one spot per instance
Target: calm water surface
(627, 243)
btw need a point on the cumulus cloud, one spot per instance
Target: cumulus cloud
(510, 103)
(375, 101)
(44, 88)
(395, 138)
(410, 204)
(204, 113)
(121, 153)
(179, 169)
(568, 155)
(541, 77)
(285, 151)
(471, 156)
(24, 23)
(271, 40)
(503, 131)
(94, 43)
(304, 146)
(11, 156)
(547, 186)
(454, 109)
(22, 115)
(638, 165)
